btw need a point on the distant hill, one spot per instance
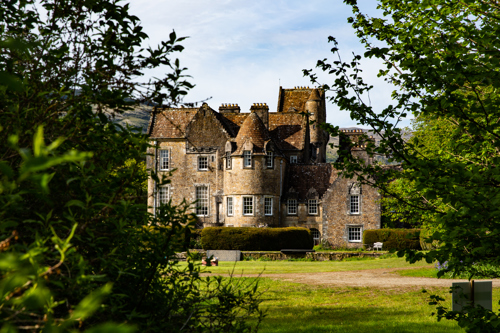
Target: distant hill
(138, 117)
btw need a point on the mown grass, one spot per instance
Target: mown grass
(295, 307)
(287, 267)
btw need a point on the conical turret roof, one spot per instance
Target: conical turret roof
(252, 130)
(314, 96)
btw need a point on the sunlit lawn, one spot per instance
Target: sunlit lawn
(286, 267)
(296, 307)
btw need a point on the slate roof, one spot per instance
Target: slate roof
(288, 130)
(253, 130)
(170, 123)
(303, 177)
(293, 99)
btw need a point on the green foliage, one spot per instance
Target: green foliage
(441, 58)
(425, 244)
(78, 250)
(393, 239)
(256, 239)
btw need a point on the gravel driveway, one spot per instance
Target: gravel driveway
(381, 277)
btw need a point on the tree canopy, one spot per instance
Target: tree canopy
(78, 250)
(443, 59)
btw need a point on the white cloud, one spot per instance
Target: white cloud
(241, 51)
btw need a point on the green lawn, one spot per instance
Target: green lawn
(295, 307)
(285, 267)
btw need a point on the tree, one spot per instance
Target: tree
(443, 59)
(78, 249)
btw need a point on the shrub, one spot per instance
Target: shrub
(256, 239)
(393, 239)
(426, 233)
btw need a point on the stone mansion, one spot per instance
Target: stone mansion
(260, 168)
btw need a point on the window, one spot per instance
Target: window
(247, 159)
(316, 235)
(247, 205)
(164, 162)
(228, 160)
(268, 206)
(163, 195)
(202, 200)
(202, 163)
(269, 160)
(354, 204)
(229, 206)
(313, 207)
(293, 159)
(354, 234)
(292, 207)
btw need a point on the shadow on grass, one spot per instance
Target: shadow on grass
(336, 318)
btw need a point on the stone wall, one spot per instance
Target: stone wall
(337, 218)
(258, 182)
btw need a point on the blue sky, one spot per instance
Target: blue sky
(241, 51)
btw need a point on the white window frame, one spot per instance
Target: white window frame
(247, 159)
(202, 166)
(291, 206)
(268, 206)
(228, 160)
(354, 204)
(293, 159)
(354, 234)
(164, 159)
(245, 205)
(202, 203)
(230, 206)
(163, 195)
(315, 232)
(270, 160)
(312, 207)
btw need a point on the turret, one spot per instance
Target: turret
(318, 137)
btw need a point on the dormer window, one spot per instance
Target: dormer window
(313, 206)
(270, 160)
(228, 160)
(247, 159)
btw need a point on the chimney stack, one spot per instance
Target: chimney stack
(262, 111)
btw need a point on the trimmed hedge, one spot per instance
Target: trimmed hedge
(393, 239)
(256, 239)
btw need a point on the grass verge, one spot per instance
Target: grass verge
(294, 307)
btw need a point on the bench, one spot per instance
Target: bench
(377, 246)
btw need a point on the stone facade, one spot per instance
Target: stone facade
(259, 168)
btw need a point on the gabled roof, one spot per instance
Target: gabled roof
(170, 123)
(252, 130)
(305, 177)
(235, 120)
(288, 129)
